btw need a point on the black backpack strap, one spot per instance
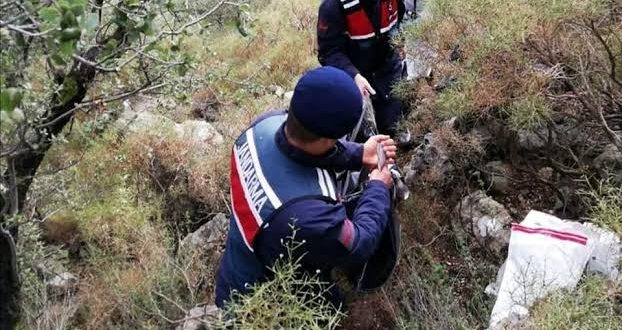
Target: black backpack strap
(374, 19)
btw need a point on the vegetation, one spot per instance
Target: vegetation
(111, 205)
(290, 300)
(509, 75)
(592, 305)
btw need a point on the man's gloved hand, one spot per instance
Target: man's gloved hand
(383, 175)
(364, 85)
(370, 150)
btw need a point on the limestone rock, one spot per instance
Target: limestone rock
(202, 317)
(199, 132)
(207, 236)
(419, 61)
(486, 219)
(134, 122)
(62, 284)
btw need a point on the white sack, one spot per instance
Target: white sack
(545, 254)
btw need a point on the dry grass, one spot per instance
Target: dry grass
(496, 42)
(593, 305)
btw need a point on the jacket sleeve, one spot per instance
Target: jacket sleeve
(349, 156)
(369, 220)
(330, 238)
(332, 39)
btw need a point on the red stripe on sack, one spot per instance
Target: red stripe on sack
(358, 23)
(241, 206)
(577, 236)
(547, 232)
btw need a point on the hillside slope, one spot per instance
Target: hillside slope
(521, 100)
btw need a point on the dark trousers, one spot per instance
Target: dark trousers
(389, 109)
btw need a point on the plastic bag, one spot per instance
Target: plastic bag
(545, 254)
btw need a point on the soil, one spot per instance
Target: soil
(370, 312)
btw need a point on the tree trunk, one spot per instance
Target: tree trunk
(8, 282)
(26, 165)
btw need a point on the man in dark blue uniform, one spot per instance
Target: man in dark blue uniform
(284, 173)
(355, 36)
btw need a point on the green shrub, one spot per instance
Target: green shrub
(290, 300)
(529, 112)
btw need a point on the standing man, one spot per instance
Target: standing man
(355, 36)
(283, 174)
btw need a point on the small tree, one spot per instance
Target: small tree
(53, 53)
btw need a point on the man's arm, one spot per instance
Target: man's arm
(331, 238)
(332, 39)
(362, 235)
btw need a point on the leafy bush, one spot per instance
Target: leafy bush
(289, 300)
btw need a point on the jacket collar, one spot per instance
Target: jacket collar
(300, 156)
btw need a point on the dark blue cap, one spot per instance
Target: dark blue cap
(327, 102)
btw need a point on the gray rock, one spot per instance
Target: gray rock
(486, 219)
(62, 284)
(199, 132)
(497, 176)
(492, 289)
(533, 140)
(431, 154)
(609, 161)
(208, 236)
(134, 122)
(279, 91)
(202, 317)
(419, 60)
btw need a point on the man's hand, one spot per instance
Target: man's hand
(370, 150)
(364, 85)
(383, 175)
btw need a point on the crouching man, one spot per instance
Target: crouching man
(283, 174)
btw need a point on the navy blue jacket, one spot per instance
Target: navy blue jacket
(321, 224)
(335, 48)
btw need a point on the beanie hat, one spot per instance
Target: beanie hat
(327, 102)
